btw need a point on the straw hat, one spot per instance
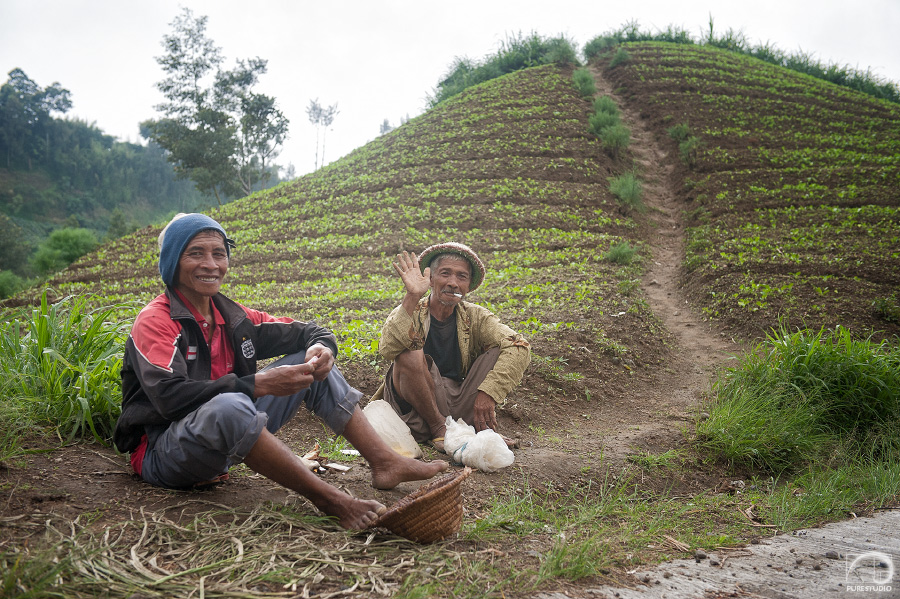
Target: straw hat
(461, 250)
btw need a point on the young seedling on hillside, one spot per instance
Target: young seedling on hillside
(615, 138)
(584, 82)
(629, 191)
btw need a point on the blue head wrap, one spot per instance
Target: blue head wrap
(175, 237)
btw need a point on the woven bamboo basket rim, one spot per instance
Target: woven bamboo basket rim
(430, 513)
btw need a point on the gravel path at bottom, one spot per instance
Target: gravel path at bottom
(854, 558)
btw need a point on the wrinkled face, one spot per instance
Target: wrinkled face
(451, 278)
(202, 266)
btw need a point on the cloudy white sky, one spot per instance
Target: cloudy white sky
(380, 59)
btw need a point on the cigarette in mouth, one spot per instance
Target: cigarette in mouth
(457, 294)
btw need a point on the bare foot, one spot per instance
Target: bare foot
(390, 474)
(352, 513)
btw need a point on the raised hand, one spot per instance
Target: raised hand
(414, 280)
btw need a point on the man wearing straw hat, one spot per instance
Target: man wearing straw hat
(193, 403)
(450, 357)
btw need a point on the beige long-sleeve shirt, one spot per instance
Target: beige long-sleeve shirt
(478, 331)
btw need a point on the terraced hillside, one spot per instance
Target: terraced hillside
(507, 167)
(788, 188)
(792, 191)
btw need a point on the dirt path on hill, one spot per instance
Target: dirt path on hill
(698, 349)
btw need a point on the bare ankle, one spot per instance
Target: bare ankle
(438, 432)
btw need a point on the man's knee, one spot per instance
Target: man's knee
(410, 359)
(410, 367)
(223, 415)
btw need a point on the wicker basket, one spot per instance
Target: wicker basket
(430, 513)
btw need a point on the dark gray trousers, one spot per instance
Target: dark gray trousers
(221, 432)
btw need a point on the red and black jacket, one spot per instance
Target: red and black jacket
(166, 368)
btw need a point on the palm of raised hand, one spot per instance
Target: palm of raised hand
(415, 281)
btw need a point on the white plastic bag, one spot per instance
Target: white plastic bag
(486, 450)
(392, 429)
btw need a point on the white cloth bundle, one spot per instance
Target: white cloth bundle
(486, 450)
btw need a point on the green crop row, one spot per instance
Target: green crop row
(793, 188)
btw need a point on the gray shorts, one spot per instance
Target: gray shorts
(221, 432)
(456, 399)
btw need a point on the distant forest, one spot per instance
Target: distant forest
(66, 186)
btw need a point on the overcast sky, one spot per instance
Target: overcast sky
(380, 59)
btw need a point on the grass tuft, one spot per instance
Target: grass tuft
(621, 56)
(807, 398)
(615, 138)
(628, 190)
(599, 121)
(584, 83)
(620, 253)
(60, 366)
(606, 104)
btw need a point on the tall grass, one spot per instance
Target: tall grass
(688, 144)
(615, 138)
(517, 52)
(607, 105)
(599, 121)
(584, 83)
(620, 253)
(621, 56)
(60, 367)
(807, 398)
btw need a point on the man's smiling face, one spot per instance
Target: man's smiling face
(450, 280)
(202, 266)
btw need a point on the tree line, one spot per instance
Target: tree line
(65, 186)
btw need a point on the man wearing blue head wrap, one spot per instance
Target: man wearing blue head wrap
(193, 403)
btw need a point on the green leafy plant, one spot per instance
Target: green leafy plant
(11, 283)
(888, 308)
(332, 446)
(807, 398)
(63, 247)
